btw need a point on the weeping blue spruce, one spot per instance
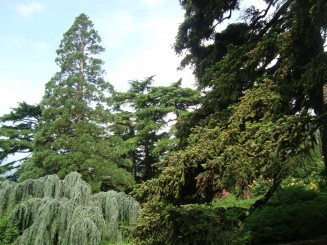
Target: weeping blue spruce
(50, 211)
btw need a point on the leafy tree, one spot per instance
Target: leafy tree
(261, 78)
(256, 142)
(284, 41)
(73, 134)
(143, 113)
(16, 133)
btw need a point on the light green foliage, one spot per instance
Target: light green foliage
(256, 141)
(73, 133)
(53, 211)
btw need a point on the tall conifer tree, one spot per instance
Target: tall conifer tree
(73, 134)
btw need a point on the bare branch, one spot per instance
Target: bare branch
(265, 12)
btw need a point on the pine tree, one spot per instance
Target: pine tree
(145, 118)
(16, 133)
(74, 134)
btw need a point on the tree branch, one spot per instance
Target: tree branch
(265, 198)
(280, 12)
(265, 12)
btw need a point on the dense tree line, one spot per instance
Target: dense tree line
(264, 84)
(82, 124)
(260, 106)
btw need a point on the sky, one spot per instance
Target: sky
(137, 34)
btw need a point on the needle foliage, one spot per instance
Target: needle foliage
(53, 211)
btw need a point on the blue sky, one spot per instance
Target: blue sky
(137, 35)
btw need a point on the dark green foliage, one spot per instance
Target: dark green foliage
(283, 41)
(16, 134)
(8, 231)
(254, 142)
(145, 119)
(189, 224)
(293, 214)
(73, 133)
(261, 78)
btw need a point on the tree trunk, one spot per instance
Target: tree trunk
(323, 131)
(80, 97)
(321, 109)
(147, 163)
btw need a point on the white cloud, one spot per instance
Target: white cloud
(27, 9)
(154, 57)
(139, 48)
(148, 63)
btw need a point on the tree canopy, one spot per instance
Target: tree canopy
(263, 80)
(53, 211)
(145, 116)
(205, 159)
(283, 41)
(73, 134)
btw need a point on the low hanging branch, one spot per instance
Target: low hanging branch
(53, 211)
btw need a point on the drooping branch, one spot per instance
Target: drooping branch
(53, 211)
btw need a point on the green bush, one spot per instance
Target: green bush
(8, 231)
(190, 224)
(295, 213)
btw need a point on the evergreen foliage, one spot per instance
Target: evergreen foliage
(8, 232)
(189, 224)
(294, 214)
(256, 142)
(264, 86)
(53, 211)
(145, 118)
(16, 134)
(73, 134)
(283, 41)
(261, 77)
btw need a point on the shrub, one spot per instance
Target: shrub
(294, 214)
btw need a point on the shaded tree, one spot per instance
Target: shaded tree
(284, 41)
(261, 78)
(256, 142)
